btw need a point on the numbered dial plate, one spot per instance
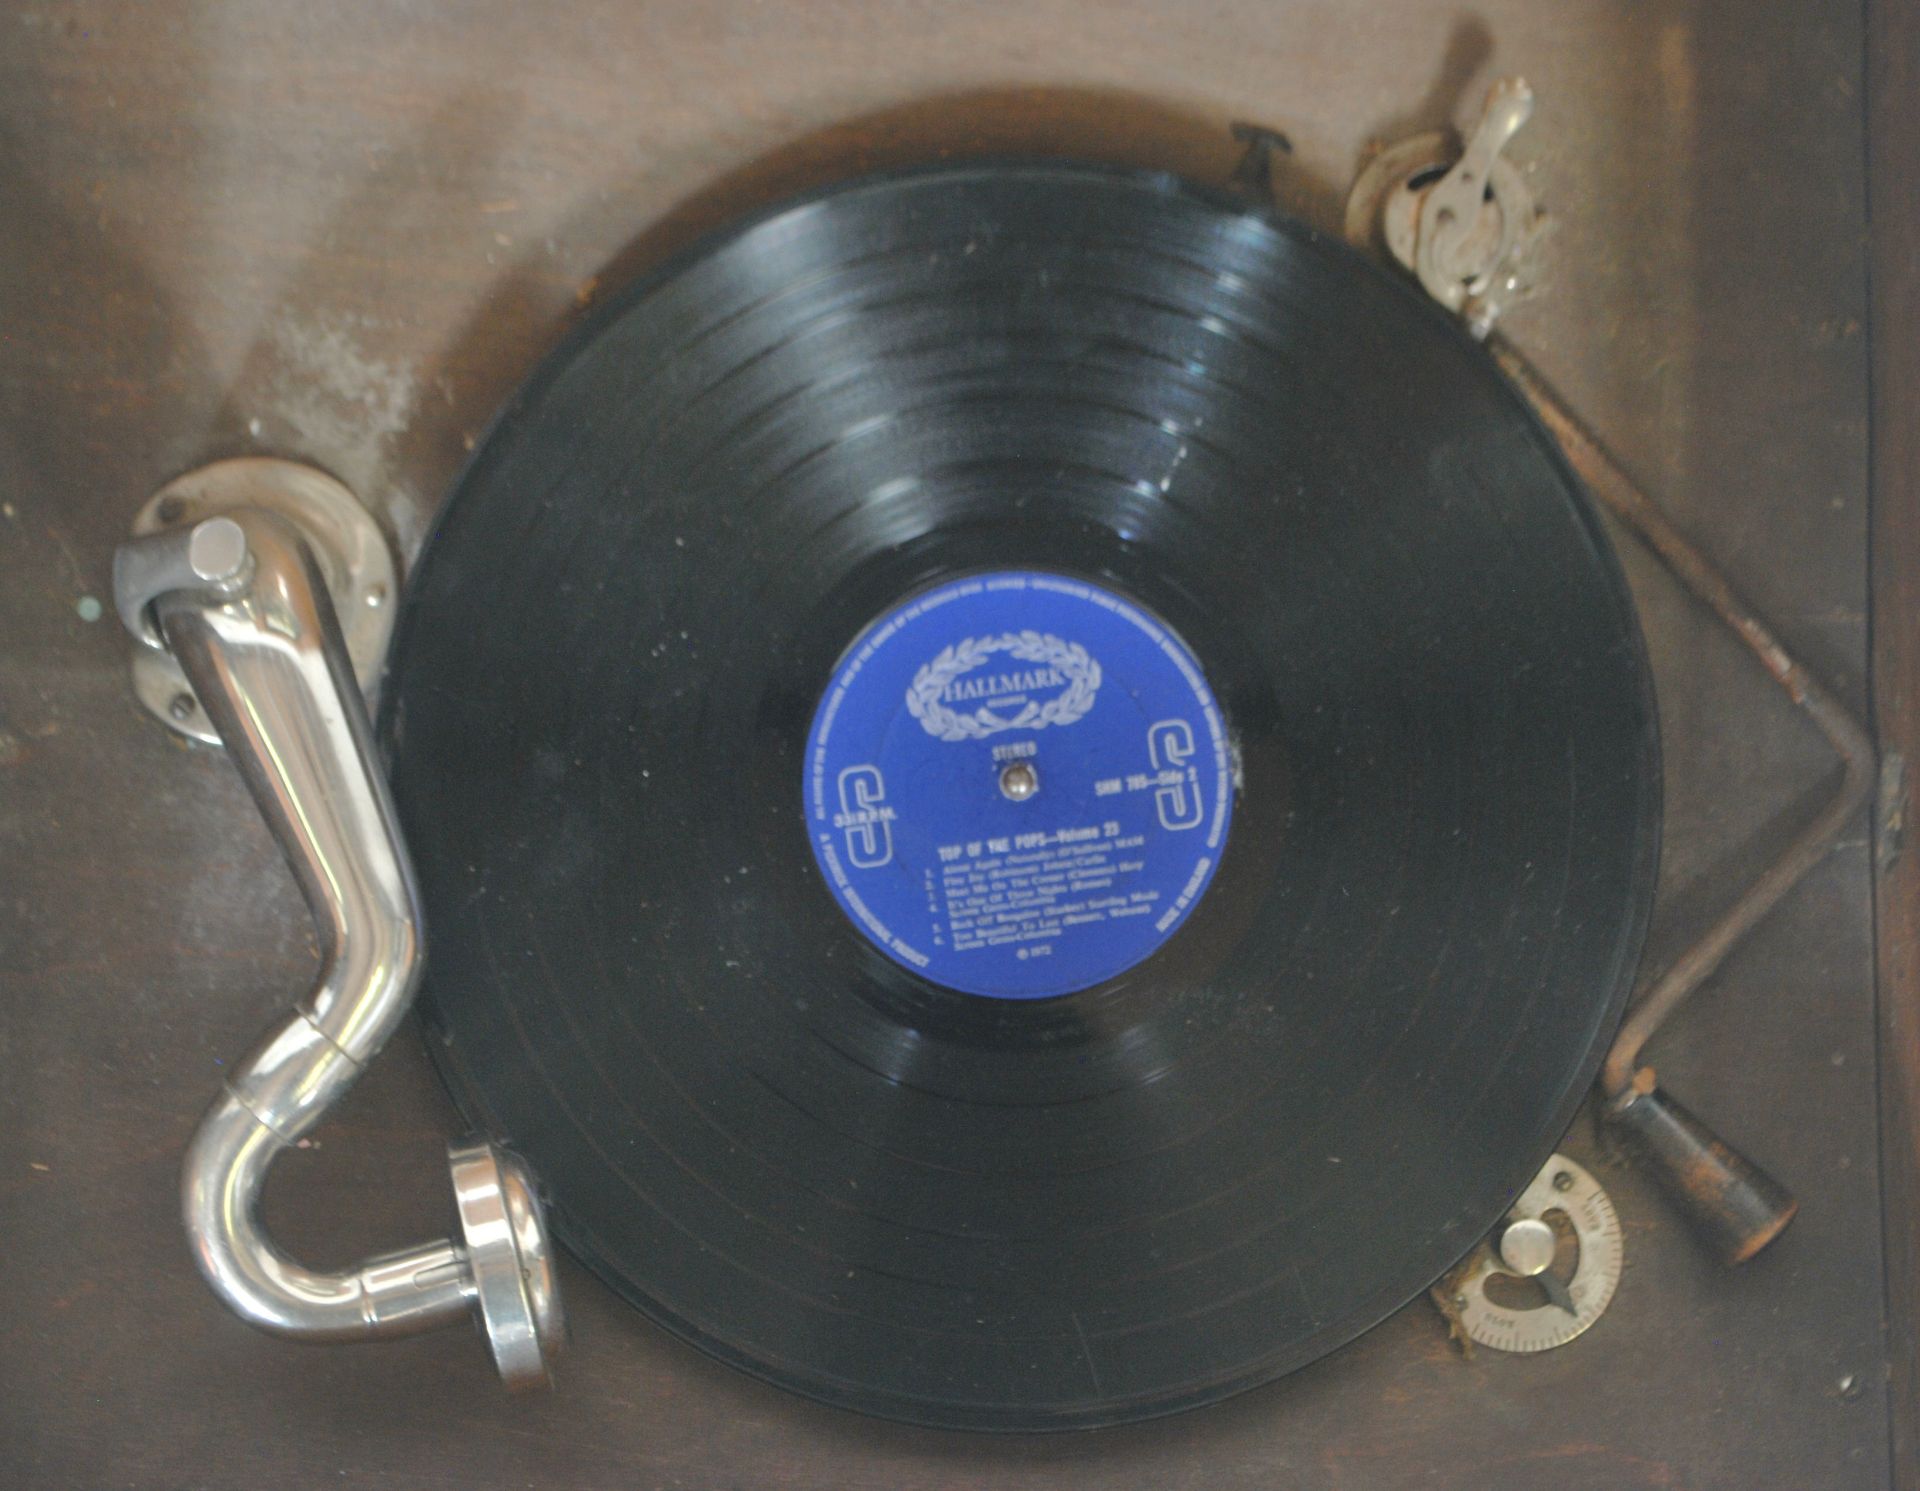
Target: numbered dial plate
(1018, 784)
(1502, 1306)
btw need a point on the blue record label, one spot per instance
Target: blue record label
(1018, 784)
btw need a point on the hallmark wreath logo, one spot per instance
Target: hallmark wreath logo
(1010, 699)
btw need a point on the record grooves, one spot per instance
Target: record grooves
(1211, 572)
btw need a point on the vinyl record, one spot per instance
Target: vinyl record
(1036, 793)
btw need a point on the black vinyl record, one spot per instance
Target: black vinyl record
(1299, 1102)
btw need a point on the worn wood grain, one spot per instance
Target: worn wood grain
(1893, 132)
(344, 232)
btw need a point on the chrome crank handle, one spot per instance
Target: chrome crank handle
(239, 601)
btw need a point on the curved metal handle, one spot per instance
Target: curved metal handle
(239, 602)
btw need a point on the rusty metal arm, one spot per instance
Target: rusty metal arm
(1739, 1206)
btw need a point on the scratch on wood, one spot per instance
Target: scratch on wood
(1890, 816)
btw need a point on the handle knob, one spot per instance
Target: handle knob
(1735, 1206)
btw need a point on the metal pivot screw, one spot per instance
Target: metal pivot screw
(1019, 781)
(217, 551)
(1527, 1247)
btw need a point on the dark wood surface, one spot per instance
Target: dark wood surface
(344, 232)
(1893, 125)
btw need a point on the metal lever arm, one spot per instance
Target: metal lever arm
(239, 602)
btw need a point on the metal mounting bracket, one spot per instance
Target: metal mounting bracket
(352, 553)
